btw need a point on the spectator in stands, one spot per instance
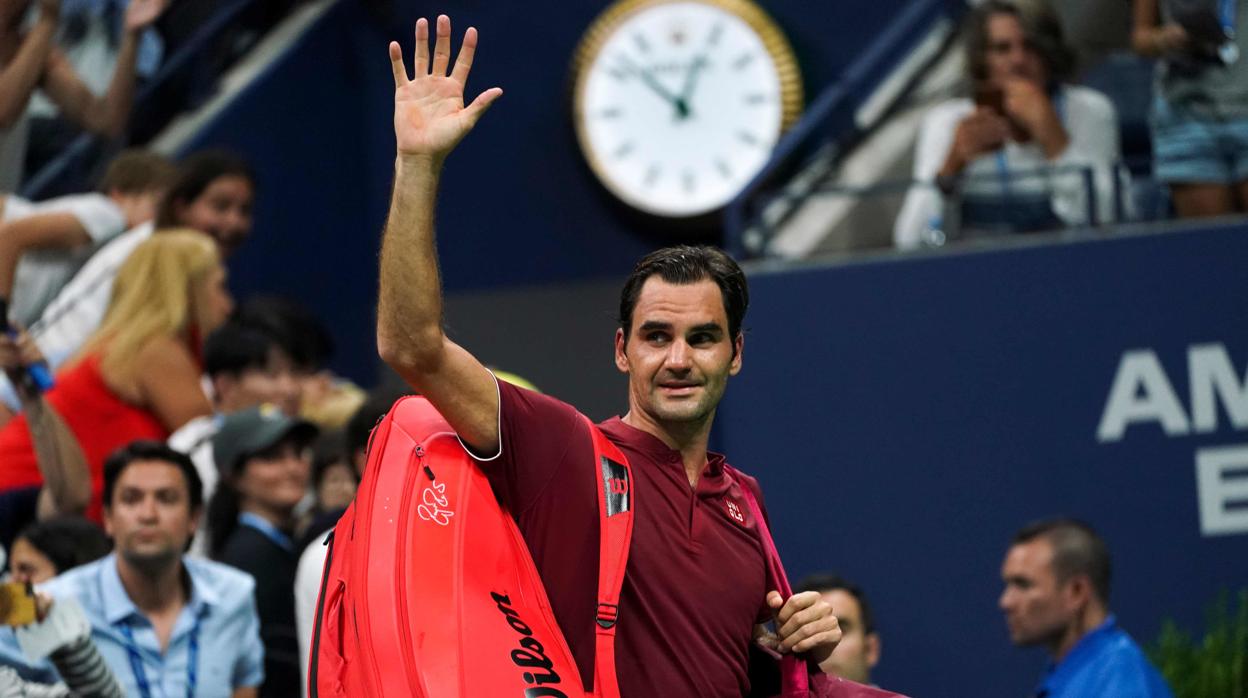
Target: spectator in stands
(42, 245)
(212, 193)
(1200, 111)
(325, 399)
(1012, 159)
(859, 649)
(263, 456)
(139, 374)
(334, 478)
(47, 548)
(245, 368)
(1056, 577)
(166, 624)
(29, 60)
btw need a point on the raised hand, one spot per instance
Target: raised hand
(429, 113)
(141, 13)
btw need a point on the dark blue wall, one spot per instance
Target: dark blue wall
(906, 416)
(519, 205)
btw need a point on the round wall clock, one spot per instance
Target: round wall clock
(678, 103)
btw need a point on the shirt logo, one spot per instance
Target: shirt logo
(434, 507)
(615, 486)
(734, 511)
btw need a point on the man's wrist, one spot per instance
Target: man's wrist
(418, 163)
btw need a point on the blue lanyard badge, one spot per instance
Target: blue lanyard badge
(265, 527)
(140, 674)
(1229, 50)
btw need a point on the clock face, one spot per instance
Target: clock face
(678, 104)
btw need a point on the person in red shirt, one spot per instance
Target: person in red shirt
(695, 589)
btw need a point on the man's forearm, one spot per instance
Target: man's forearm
(409, 313)
(115, 106)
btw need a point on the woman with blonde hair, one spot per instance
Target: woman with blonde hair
(138, 376)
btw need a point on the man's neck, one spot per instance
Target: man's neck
(1084, 623)
(689, 438)
(153, 591)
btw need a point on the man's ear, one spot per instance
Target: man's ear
(1077, 592)
(621, 358)
(873, 647)
(738, 346)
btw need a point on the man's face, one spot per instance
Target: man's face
(222, 210)
(1009, 54)
(150, 516)
(858, 652)
(679, 355)
(1038, 607)
(274, 383)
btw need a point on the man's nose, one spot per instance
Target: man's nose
(678, 355)
(147, 508)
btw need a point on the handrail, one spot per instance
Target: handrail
(836, 102)
(44, 182)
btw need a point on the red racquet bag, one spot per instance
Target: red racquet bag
(429, 590)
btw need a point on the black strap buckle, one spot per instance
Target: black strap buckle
(608, 614)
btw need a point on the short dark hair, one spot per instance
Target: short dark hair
(826, 581)
(688, 264)
(1041, 26)
(151, 450)
(1077, 549)
(195, 174)
(233, 349)
(136, 171)
(296, 330)
(68, 541)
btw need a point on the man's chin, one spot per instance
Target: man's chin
(150, 557)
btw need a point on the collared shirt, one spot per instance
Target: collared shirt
(695, 582)
(1105, 663)
(230, 655)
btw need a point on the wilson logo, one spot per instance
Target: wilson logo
(531, 655)
(434, 506)
(615, 486)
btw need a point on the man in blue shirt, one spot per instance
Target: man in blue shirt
(1056, 576)
(167, 625)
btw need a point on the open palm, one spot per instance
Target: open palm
(430, 117)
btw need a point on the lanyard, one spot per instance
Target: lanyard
(269, 531)
(140, 675)
(1003, 168)
(1229, 50)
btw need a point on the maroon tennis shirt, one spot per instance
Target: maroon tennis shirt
(695, 581)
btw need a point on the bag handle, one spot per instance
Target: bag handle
(793, 671)
(615, 527)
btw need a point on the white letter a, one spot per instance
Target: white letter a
(1141, 393)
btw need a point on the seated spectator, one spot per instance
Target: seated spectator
(212, 193)
(263, 457)
(245, 368)
(45, 549)
(1012, 158)
(28, 59)
(1056, 576)
(165, 624)
(859, 649)
(43, 244)
(139, 374)
(1200, 111)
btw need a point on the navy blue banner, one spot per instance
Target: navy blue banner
(907, 415)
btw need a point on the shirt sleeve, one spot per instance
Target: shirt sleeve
(249, 666)
(1092, 125)
(98, 214)
(535, 431)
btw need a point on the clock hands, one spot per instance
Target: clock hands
(678, 102)
(691, 79)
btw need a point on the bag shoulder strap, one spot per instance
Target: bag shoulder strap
(615, 517)
(793, 673)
